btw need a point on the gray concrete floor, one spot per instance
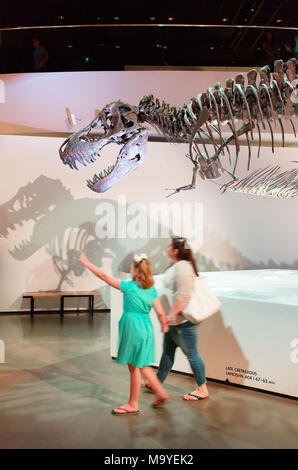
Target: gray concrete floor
(59, 384)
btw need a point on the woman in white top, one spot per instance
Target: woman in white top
(179, 279)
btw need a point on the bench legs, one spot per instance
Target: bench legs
(31, 304)
(62, 306)
(91, 304)
(31, 307)
(90, 297)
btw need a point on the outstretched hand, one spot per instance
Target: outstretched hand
(83, 258)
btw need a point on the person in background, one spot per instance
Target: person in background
(40, 56)
(136, 337)
(179, 279)
(268, 48)
(296, 46)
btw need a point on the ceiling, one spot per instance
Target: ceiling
(113, 47)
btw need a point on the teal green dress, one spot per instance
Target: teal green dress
(136, 336)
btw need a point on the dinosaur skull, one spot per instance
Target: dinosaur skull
(119, 124)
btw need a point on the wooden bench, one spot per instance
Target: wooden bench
(61, 295)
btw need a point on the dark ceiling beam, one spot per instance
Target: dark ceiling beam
(258, 8)
(219, 11)
(235, 19)
(274, 14)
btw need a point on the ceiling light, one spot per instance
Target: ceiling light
(212, 47)
(152, 18)
(70, 46)
(279, 20)
(225, 20)
(117, 47)
(116, 18)
(60, 17)
(165, 47)
(171, 18)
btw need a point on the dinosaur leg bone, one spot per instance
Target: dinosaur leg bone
(187, 187)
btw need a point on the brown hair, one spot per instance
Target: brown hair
(143, 276)
(183, 252)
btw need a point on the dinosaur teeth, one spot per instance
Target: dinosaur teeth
(101, 175)
(68, 161)
(80, 158)
(111, 168)
(74, 162)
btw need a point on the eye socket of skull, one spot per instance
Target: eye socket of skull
(127, 122)
(124, 112)
(110, 122)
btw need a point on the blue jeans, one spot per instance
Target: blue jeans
(185, 336)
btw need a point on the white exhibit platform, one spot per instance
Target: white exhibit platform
(252, 341)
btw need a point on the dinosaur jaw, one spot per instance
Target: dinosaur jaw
(129, 158)
(86, 149)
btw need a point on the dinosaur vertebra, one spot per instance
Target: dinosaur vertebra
(271, 101)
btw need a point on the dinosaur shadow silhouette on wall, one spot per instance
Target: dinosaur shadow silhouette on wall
(63, 225)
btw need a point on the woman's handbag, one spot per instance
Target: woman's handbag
(203, 302)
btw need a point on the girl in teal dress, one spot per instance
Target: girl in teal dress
(136, 336)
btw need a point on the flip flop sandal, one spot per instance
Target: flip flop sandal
(123, 409)
(195, 396)
(160, 402)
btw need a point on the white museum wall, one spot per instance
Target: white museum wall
(58, 216)
(58, 212)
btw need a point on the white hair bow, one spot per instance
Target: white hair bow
(138, 258)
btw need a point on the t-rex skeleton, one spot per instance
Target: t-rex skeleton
(272, 100)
